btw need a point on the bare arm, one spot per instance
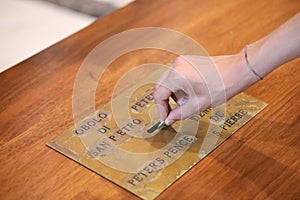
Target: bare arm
(186, 74)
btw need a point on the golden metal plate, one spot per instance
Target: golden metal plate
(119, 148)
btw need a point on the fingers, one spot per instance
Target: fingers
(180, 97)
(183, 111)
(179, 82)
(161, 97)
(172, 84)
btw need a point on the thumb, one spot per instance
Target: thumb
(181, 112)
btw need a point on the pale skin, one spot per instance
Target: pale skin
(188, 80)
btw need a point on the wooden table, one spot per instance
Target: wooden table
(260, 161)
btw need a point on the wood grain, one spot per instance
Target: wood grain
(261, 161)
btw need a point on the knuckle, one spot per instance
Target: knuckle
(179, 60)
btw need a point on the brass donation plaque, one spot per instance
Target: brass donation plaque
(119, 142)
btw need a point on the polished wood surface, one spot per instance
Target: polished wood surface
(260, 161)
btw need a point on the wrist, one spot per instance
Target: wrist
(263, 57)
(250, 66)
(236, 74)
(254, 54)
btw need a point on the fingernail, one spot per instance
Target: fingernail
(181, 101)
(168, 122)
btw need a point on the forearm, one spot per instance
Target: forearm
(190, 74)
(277, 48)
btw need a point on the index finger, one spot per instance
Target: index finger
(161, 97)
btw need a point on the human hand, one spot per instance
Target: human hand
(200, 82)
